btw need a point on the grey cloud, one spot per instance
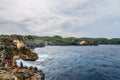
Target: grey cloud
(46, 17)
(79, 9)
(13, 27)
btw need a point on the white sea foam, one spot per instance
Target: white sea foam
(43, 57)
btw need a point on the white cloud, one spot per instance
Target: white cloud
(49, 17)
(17, 10)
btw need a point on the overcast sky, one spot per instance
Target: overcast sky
(76, 18)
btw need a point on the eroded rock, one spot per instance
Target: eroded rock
(11, 49)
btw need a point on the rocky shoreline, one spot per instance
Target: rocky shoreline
(24, 73)
(12, 50)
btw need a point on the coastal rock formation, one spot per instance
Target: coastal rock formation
(12, 50)
(23, 73)
(16, 49)
(24, 52)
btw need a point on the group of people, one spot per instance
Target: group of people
(12, 63)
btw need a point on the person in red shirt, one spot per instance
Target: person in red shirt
(10, 62)
(15, 65)
(30, 78)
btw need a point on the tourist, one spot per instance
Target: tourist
(21, 64)
(10, 62)
(0, 63)
(15, 65)
(6, 66)
(30, 78)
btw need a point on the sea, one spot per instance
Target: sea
(100, 62)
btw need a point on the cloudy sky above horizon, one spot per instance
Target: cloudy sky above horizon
(75, 18)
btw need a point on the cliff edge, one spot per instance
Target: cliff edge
(12, 50)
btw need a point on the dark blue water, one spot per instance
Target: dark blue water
(79, 62)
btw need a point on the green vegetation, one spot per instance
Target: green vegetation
(58, 40)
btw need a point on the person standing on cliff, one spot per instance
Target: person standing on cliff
(21, 64)
(15, 65)
(10, 62)
(30, 78)
(6, 66)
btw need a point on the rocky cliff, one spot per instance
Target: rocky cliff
(15, 49)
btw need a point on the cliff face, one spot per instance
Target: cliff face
(13, 50)
(24, 73)
(16, 50)
(25, 54)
